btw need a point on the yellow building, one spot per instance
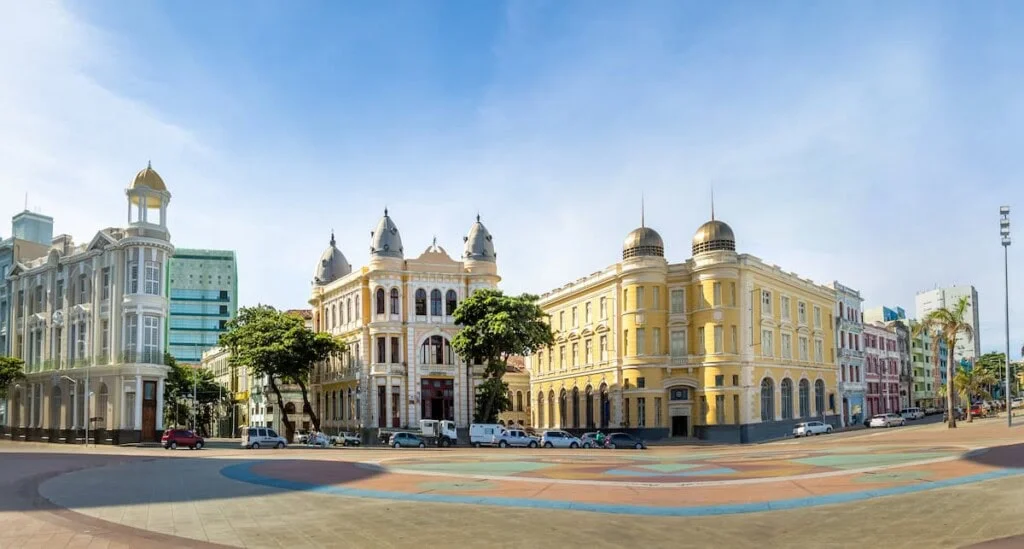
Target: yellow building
(518, 379)
(395, 314)
(722, 346)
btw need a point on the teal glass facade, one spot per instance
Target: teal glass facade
(203, 292)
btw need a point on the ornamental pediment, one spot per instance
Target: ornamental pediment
(602, 328)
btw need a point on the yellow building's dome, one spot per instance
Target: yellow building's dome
(714, 235)
(643, 241)
(148, 177)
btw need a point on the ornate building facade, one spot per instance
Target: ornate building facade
(395, 314)
(849, 328)
(722, 346)
(89, 322)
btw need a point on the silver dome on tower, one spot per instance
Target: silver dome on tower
(332, 265)
(385, 241)
(714, 235)
(479, 244)
(643, 241)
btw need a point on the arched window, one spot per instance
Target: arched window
(787, 398)
(102, 403)
(767, 400)
(334, 316)
(451, 301)
(348, 310)
(519, 401)
(575, 408)
(805, 398)
(421, 302)
(563, 412)
(359, 313)
(380, 301)
(551, 408)
(819, 397)
(435, 302)
(590, 406)
(395, 308)
(436, 350)
(540, 409)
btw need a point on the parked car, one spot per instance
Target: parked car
(485, 434)
(930, 411)
(406, 440)
(559, 439)
(254, 438)
(1017, 402)
(180, 437)
(624, 440)
(979, 410)
(518, 438)
(318, 439)
(346, 439)
(912, 413)
(811, 428)
(887, 420)
(301, 436)
(958, 414)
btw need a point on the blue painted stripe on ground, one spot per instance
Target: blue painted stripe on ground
(242, 472)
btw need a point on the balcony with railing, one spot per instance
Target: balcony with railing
(387, 370)
(146, 356)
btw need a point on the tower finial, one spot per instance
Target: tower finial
(332, 237)
(712, 202)
(434, 246)
(642, 210)
(385, 211)
(149, 164)
(26, 201)
(478, 216)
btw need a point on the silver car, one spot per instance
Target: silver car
(559, 439)
(516, 437)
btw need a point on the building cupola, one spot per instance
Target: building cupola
(714, 236)
(643, 241)
(479, 244)
(385, 241)
(332, 265)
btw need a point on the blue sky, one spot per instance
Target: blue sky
(870, 143)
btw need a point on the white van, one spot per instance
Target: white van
(485, 434)
(261, 437)
(912, 413)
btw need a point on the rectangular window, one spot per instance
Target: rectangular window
(716, 294)
(719, 380)
(678, 301)
(784, 307)
(83, 294)
(575, 354)
(59, 298)
(766, 302)
(656, 341)
(152, 283)
(801, 312)
(657, 411)
(767, 345)
(735, 380)
(625, 411)
(625, 299)
(640, 297)
(625, 342)
(382, 350)
(641, 412)
(787, 346)
(656, 302)
(719, 338)
(603, 348)
(603, 306)
(641, 341)
(133, 277)
(720, 409)
(700, 341)
(803, 348)
(641, 382)
(561, 320)
(677, 343)
(131, 331)
(586, 313)
(735, 339)
(151, 336)
(575, 318)
(736, 409)
(561, 357)
(819, 351)
(396, 356)
(588, 351)
(105, 336)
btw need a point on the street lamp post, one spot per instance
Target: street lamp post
(1004, 232)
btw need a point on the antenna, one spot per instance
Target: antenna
(26, 201)
(642, 209)
(712, 202)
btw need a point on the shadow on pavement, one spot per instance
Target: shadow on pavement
(1010, 456)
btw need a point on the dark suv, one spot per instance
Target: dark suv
(180, 437)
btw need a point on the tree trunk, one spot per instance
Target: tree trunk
(308, 407)
(949, 384)
(289, 427)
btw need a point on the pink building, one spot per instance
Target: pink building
(881, 369)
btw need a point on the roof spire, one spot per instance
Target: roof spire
(385, 211)
(435, 243)
(478, 216)
(642, 209)
(149, 164)
(712, 202)
(332, 237)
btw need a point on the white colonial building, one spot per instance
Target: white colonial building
(396, 316)
(93, 316)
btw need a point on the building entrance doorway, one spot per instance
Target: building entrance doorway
(680, 426)
(149, 411)
(437, 398)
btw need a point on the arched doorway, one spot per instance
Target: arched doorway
(551, 408)
(563, 410)
(606, 408)
(102, 403)
(680, 406)
(55, 401)
(575, 408)
(540, 410)
(589, 395)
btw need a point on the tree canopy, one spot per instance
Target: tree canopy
(11, 370)
(951, 322)
(494, 327)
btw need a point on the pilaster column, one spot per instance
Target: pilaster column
(138, 402)
(160, 404)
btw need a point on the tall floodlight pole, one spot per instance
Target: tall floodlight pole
(1004, 232)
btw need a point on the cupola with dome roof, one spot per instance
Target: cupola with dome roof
(385, 241)
(643, 241)
(479, 244)
(714, 235)
(148, 197)
(332, 265)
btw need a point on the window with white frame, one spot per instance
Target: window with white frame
(801, 312)
(133, 277)
(657, 297)
(575, 354)
(656, 340)
(131, 331)
(784, 306)
(575, 318)
(678, 301)
(767, 345)
(716, 294)
(719, 339)
(586, 313)
(735, 339)
(152, 286)
(151, 335)
(104, 336)
(641, 341)
(787, 346)
(700, 341)
(803, 348)
(766, 302)
(817, 316)
(640, 297)
(105, 283)
(677, 343)
(588, 351)
(561, 357)
(819, 350)
(561, 320)
(603, 306)
(603, 348)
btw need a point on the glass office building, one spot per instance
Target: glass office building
(204, 297)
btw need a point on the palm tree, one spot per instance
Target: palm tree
(973, 383)
(951, 323)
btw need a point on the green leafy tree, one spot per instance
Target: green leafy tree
(994, 365)
(11, 370)
(951, 322)
(973, 382)
(494, 327)
(181, 383)
(279, 346)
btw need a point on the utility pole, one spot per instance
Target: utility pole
(1004, 233)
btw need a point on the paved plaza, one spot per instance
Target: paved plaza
(919, 486)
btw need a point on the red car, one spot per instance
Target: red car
(180, 437)
(978, 410)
